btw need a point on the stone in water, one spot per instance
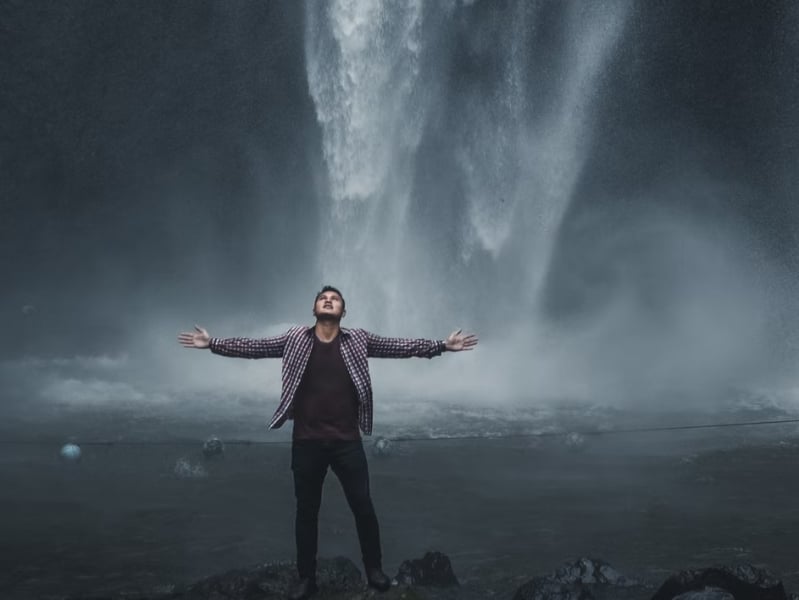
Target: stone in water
(213, 446)
(575, 441)
(382, 447)
(185, 470)
(70, 452)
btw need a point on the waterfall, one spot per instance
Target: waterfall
(363, 66)
(516, 148)
(521, 148)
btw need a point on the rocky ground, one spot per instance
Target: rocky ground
(432, 578)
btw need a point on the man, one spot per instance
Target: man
(327, 392)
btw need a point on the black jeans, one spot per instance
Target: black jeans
(309, 462)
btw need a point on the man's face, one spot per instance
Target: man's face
(328, 306)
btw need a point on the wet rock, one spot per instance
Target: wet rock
(743, 582)
(184, 469)
(584, 579)
(272, 581)
(70, 452)
(589, 570)
(339, 575)
(434, 569)
(213, 447)
(710, 593)
(540, 588)
(382, 447)
(575, 441)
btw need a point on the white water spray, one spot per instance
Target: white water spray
(363, 67)
(521, 160)
(518, 160)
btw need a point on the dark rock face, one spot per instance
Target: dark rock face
(743, 582)
(434, 568)
(585, 579)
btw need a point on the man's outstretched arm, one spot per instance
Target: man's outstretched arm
(383, 347)
(271, 347)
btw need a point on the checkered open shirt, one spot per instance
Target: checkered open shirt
(294, 347)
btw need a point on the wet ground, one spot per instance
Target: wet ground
(503, 510)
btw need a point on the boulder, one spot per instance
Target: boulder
(710, 593)
(433, 569)
(584, 579)
(743, 582)
(213, 447)
(382, 447)
(589, 571)
(272, 581)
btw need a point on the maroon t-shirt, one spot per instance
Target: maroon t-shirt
(326, 403)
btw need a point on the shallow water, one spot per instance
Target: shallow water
(503, 509)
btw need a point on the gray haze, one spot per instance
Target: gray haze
(604, 192)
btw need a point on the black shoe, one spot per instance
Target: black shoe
(377, 579)
(304, 589)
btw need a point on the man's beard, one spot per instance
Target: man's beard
(327, 317)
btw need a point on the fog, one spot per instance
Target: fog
(604, 193)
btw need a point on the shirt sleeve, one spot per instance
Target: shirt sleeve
(238, 347)
(385, 347)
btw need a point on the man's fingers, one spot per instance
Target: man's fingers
(469, 336)
(191, 339)
(468, 342)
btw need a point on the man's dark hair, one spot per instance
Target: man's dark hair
(330, 288)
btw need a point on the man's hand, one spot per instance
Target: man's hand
(195, 339)
(457, 341)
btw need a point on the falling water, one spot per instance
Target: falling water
(516, 157)
(521, 156)
(363, 67)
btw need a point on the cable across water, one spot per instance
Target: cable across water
(410, 438)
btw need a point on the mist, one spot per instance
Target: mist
(604, 193)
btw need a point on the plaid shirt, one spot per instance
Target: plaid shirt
(294, 347)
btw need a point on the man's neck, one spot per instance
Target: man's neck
(326, 330)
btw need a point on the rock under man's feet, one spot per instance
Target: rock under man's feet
(304, 589)
(378, 580)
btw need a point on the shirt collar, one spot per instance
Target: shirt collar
(342, 331)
